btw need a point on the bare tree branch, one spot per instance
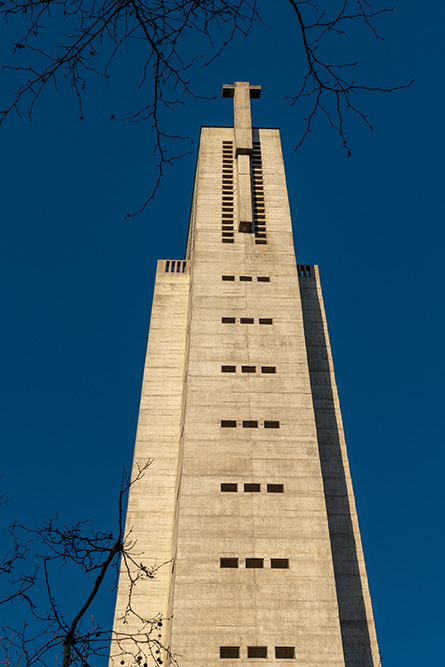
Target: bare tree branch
(90, 550)
(75, 40)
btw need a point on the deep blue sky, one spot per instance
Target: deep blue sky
(77, 283)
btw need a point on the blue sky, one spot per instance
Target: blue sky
(77, 282)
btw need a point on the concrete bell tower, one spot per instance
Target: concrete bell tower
(248, 501)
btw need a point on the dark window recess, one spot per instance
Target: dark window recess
(266, 320)
(228, 562)
(271, 424)
(248, 369)
(254, 563)
(252, 488)
(246, 279)
(257, 651)
(227, 240)
(228, 487)
(260, 242)
(263, 279)
(228, 423)
(227, 228)
(250, 423)
(227, 234)
(228, 320)
(268, 369)
(285, 652)
(279, 563)
(275, 488)
(229, 651)
(246, 320)
(228, 369)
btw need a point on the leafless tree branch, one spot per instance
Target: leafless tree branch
(78, 39)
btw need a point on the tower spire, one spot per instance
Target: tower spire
(242, 92)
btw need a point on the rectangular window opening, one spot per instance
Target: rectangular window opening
(250, 423)
(252, 563)
(229, 652)
(228, 320)
(228, 423)
(266, 320)
(228, 369)
(228, 240)
(247, 279)
(275, 488)
(252, 488)
(268, 369)
(279, 563)
(248, 369)
(229, 487)
(228, 278)
(228, 562)
(263, 279)
(246, 320)
(271, 424)
(285, 652)
(257, 651)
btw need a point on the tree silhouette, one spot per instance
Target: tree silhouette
(78, 40)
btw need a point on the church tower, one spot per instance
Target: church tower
(248, 505)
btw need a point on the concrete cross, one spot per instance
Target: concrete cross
(242, 92)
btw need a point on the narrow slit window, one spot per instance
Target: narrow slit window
(250, 423)
(275, 488)
(252, 563)
(228, 369)
(246, 279)
(263, 279)
(271, 424)
(229, 652)
(229, 487)
(266, 320)
(285, 652)
(228, 423)
(246, 320)
(257, 651)
(248, 369)
(252, 488)
(228, 562)
(268, 369)
(227, 240)
(279, 563)
(228, 320)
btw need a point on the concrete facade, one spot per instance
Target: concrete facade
(248, 501)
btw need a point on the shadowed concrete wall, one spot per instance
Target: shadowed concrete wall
(354, 603)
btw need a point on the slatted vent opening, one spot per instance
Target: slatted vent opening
(227, 215)
(305, 270)
(175, 266)
(259, 211)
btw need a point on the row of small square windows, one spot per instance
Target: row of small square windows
(281, 652)
(251, 487)
(260, 279)
(248, 423)
(248, 369)
(246, 320)
(251, 563)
